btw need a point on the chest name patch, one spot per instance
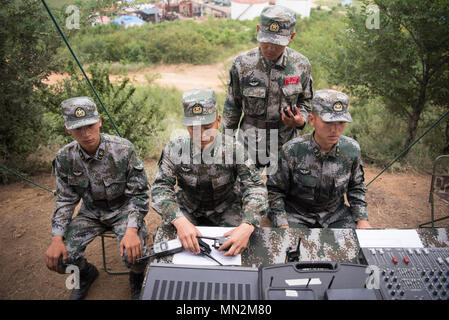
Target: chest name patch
(291, 80)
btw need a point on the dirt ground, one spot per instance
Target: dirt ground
(182, 76)
(395, 200)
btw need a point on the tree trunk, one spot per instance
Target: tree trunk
(416, 114)
(412, 127)
(446, 135)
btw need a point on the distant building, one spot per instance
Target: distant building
(250, 9)
(190, 9)
(150, 15)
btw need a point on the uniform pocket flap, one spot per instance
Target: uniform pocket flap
(255, 92)
(78, 181)
(291, 89)
(221, 181)
(111, 181)
(308, 180)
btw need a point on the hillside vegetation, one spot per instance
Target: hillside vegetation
(146, 114)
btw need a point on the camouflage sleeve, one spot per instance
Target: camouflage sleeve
(163, 196)
(232, 109)
(137, 191)
(254, 193)
(278, 184)
(65, 203)
(356, 191)
(304, 102)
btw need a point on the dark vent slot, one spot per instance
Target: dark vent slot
(209, 290)
(217, 292)
(170, 290)
(178, 289)
(185, 295)
(201, 293)
(163, 287)
(224, 290)
(155, 289)
(193, 294)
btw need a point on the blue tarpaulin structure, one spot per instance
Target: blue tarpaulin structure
(128, 21)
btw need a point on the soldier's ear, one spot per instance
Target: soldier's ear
(67, 130)
(258, 28)
(218, 120)
(311, 119)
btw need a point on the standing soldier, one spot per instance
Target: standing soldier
(271, 85)
(316, 170)
(104, 172)
(218, 185)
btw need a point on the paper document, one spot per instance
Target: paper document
(185, 257)
(388, 238)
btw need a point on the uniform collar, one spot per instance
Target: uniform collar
(212, 149)
(99, 154)
(335, 151)
(281, 63)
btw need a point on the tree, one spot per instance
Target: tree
(26, 57)
(404, 60)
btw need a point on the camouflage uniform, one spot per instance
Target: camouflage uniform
(218, 186)
(309, 186)
(260, 88)
(112, 185)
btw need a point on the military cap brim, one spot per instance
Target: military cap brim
(332, 117)
(270, 37)
(200, 119)
(72, 125)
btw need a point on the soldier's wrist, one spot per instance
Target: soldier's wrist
(249, 223)
(57, 239)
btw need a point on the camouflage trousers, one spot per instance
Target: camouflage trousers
(83, 229)
(229, 217)
(340, 219)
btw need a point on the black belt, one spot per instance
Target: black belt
(110, 204)
(263, 124)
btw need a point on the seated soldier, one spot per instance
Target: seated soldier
(208, 178)
(104, 172)
(316, 170)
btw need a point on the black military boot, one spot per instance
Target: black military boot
(135, 282)
(87, 277)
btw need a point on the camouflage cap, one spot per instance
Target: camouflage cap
(332, 105)
(200, 107)
(79, 112)
(277, 24)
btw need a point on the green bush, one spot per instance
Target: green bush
(136, 113)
